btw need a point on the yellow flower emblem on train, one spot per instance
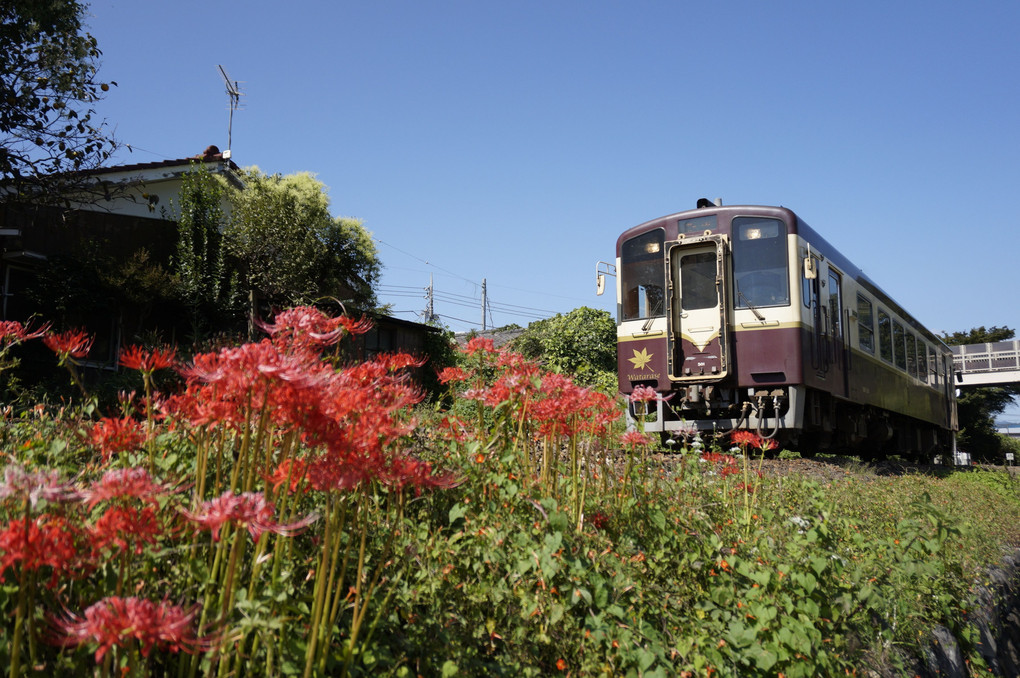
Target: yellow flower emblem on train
(641, 358)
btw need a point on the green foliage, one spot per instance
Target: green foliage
(200, 278)
(502, 567)
(48, 87)
(288, 249)
(581, 343)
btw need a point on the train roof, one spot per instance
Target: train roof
(818, 245)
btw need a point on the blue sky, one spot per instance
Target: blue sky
(514, 141)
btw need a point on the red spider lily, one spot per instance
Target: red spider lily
(355, 326)
(727, 463)
(123, 483)
(479, 345)
(448, 374)
(249, 509)
(356, 414)
(121, 622)
(728, 470)
(561, 407)
(13, 332)
(603, 413)
(293, 472)
(73, 343)
(116, 435)
(396, 362)
(137, 358)
(718, 458)
(746, 487)
(743, 438)
(404, 472)
(36, 486)
(635, 438)
(454, 429)
(128, 528)
(48, 541)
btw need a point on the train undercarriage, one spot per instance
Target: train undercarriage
(797, 418)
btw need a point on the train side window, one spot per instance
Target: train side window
(810, 285)
(922, 361)
(911, 354)
(899, 342)
(933, 360)
(643, 276)
(885, 340)
(865, 325)
(835, 304)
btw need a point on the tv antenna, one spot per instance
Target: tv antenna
(234, 92)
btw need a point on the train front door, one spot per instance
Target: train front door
(698, 332)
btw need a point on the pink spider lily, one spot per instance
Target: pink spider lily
(635, 438)
(646, 393)
(250, 510)
(13, 332)
(36, 486)
(308, 327)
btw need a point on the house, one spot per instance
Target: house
(123, 209)
(125, 219)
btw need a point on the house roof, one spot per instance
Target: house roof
(210, 154)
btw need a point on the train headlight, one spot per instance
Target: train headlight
(652, 247)
(752, 234)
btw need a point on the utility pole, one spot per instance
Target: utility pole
(430, 311)
(483, 304)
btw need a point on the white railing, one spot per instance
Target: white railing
(1000, 356)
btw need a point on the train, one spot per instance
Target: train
(743, 317)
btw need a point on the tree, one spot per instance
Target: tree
(286, 248)
(581, 343)
(979, 406)
(48, 86)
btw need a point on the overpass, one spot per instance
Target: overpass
(991, 364)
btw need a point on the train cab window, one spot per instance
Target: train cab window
(899, 356)
(643, 275)
(911, 354)
(760, 266)
(885, 339)
(865, 325)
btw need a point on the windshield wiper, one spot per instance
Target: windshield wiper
(754, 310)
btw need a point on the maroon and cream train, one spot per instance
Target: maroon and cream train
(744, 317)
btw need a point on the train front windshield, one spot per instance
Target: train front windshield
(760, 263)
(643, 276)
